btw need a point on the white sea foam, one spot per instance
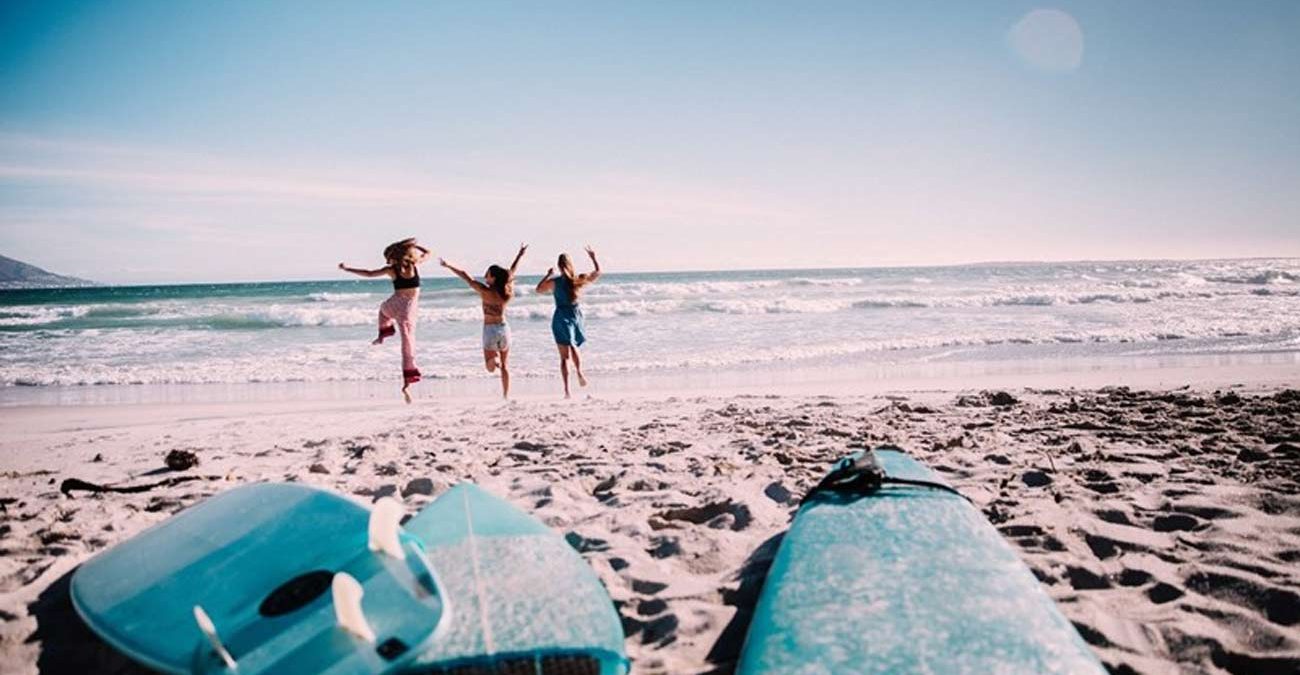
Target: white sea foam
(339, 297)
(322, 332)
(35, 316)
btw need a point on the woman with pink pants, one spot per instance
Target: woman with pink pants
(397, 314)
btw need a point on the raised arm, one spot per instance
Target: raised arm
(424, 252)
(473, 283)
(381, 272)
(547, 284)
(518, 256)
(594, 274)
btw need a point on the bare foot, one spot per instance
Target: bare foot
(406, 394)
(582, 381)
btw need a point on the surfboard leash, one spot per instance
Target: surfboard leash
(864, 476)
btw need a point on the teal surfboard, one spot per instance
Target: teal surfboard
(266, 563)
(525, 601)
(904, 579)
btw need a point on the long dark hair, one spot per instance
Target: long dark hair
(567, 271)
(394, 252)
(502, 283)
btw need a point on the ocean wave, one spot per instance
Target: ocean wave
(1256, 277)
(171, 358)
(37, 315)
(677, 289)
(877, 303)
(344, 310)
(1036, 300)
(830, 281)
(783, 305)
(339, 297)
(684, 289)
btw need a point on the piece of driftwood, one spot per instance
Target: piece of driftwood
(70, 485)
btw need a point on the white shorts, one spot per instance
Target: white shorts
(496, 337)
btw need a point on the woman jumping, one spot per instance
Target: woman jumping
(397, 314)
(496, 290)
(566, 323)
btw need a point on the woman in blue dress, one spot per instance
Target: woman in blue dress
(566, 323)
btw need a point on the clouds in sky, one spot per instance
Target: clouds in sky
(148, 142)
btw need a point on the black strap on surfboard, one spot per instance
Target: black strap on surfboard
(864, 476)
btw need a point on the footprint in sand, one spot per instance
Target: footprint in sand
(647, 587)
(1280, 606)
(1163, 592)
(1114, 517)
(1104, 547)
(23, 576)
(718, 515)
(583, 544)
(664, 547)
(1133, 577)
(660, 631)
(651, 607)
(1207, 512)
(1175, 522)
(1085, 580)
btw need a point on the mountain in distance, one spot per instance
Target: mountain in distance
(18, 274)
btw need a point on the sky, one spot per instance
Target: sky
(187, 141)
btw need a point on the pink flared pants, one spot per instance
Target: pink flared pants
(397, 315)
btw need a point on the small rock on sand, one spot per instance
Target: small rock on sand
(1002, 398)
(1036, 479)
(418, 486)
(180, 460)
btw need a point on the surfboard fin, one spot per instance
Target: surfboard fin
(347, 607)
(210, 630)
(385, 519)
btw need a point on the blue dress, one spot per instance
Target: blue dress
(566, 323)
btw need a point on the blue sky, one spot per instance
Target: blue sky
(192, 141)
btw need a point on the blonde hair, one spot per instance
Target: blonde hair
(567, 271)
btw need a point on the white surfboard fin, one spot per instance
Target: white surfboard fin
(385, 520)
(347, 607)
(210, 630)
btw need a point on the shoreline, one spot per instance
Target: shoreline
(1201, 370)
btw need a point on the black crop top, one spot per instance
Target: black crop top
(400, 282)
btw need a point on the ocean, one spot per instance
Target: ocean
(660, 324)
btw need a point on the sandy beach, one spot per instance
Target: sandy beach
(1050, 251)
(1165, 523)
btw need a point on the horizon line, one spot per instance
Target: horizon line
(981, 263)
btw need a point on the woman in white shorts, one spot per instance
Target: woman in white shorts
(496, 290)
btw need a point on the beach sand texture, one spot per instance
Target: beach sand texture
(1166, 524)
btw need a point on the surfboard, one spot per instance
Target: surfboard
(265, 577)
(904, 579)
(525, 601)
